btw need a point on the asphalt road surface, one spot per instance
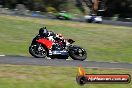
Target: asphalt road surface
(21, 60)
(108, 22)
(18, 60)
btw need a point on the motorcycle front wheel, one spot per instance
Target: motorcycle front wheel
(78, 53)
(38, 51)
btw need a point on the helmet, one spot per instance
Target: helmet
(60, 35)
(43, 32)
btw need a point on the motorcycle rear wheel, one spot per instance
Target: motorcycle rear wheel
(38, 51)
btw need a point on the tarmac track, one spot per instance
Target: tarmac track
(21, 60)
(108, 22)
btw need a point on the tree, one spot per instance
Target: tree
(121, 7)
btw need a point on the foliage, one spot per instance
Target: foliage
(50, 9)
(34, 4)
(121, 7)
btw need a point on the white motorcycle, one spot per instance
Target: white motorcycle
(93, 19)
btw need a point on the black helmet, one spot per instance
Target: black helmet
(43, 32)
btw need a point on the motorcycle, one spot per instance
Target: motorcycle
(43, 48)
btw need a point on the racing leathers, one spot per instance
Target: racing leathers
(55, 38)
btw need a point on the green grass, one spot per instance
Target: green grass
(14, 76)
(102, 42)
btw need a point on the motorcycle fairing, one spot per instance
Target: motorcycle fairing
(45, 42)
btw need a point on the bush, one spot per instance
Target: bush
(51, 9)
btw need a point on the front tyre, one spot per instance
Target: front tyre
(38, 51)
(78, 53)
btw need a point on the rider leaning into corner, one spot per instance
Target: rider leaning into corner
(61, 48)
(45, 33)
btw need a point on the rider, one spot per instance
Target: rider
(44, 33)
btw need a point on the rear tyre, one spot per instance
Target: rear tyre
(38, 51)
(60, 17)
(78, 53)
(89, 21)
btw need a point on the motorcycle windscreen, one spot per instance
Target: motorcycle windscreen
(45, 42)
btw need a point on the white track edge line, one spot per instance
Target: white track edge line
(2, 55)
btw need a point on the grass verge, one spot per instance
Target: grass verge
(17, 76)
(102, 42)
